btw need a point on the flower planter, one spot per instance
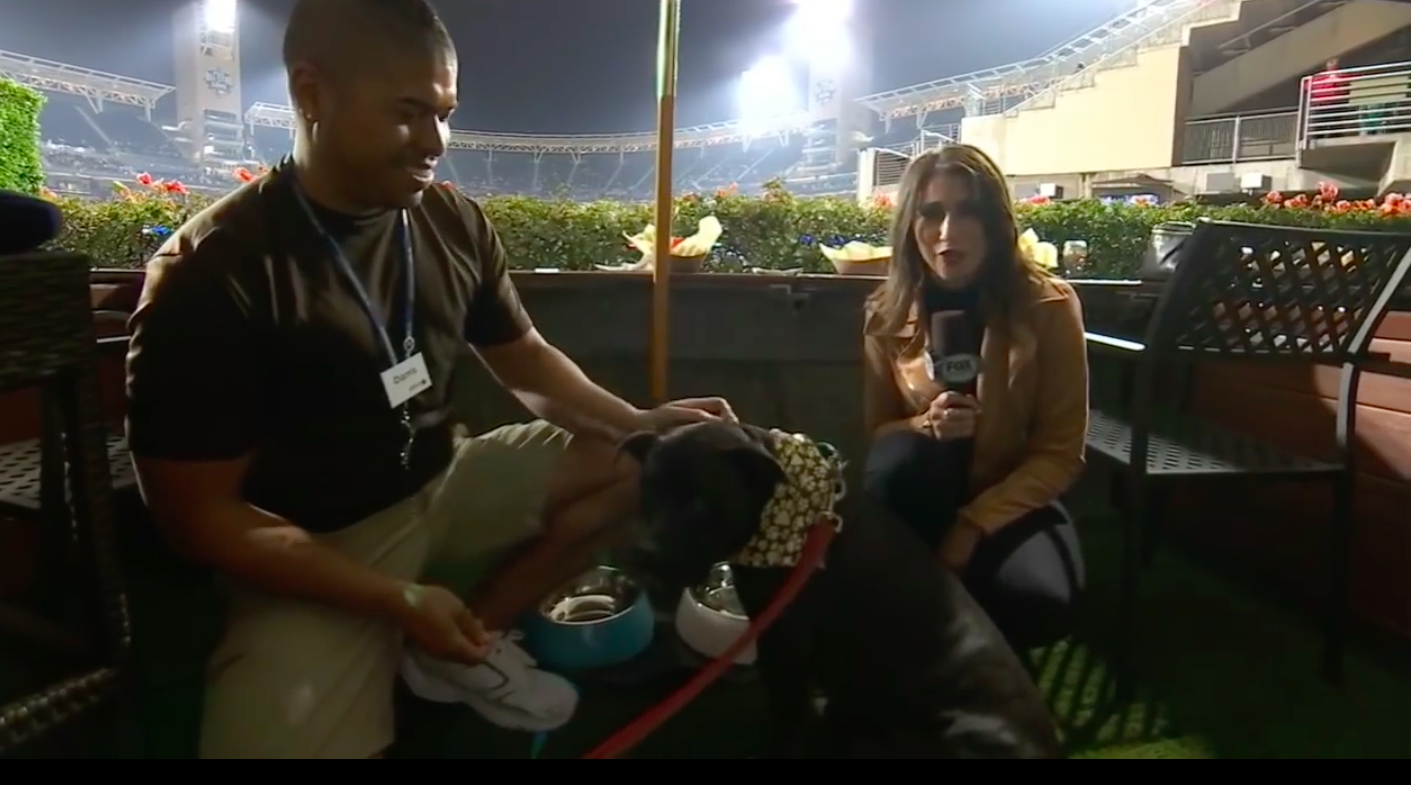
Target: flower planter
(876, 268)
(680, 265)
(687, 265)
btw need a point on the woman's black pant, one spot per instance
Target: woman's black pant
(1027, 576)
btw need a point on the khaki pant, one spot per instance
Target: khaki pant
(300, 680)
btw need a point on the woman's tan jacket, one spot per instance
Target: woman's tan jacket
(1033, 394)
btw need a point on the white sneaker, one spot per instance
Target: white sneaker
(506, 689)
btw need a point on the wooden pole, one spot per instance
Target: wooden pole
(668, 43)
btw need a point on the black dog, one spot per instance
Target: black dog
(911, 667)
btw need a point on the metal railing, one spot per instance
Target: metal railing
(1304, 12)
(1355, 102)
(937, 137)
(1253, 137)
(932, 138)
(987, 87)
(888, 166)
(1165, 29)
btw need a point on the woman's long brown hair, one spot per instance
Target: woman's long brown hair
(1007, 276)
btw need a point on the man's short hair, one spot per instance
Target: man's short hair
(334, 34)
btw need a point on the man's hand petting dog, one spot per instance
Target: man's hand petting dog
(438, 621)
(684, 412)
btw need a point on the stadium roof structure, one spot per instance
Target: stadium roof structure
(280, 116)
(96, 86)
(991, 84)
(1031, 77)
(1024, 79)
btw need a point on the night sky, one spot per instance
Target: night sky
(577, 66)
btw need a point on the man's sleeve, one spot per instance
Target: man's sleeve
(496, 316)
(195, 383)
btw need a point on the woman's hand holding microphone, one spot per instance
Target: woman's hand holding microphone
(951, 416)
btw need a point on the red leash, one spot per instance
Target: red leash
(814, 549)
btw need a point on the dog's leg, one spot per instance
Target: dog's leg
(786, 656)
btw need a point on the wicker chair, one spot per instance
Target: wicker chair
(1258, 294)
(47, 340)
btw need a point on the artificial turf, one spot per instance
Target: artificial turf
(1225, 673)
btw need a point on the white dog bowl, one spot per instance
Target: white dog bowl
(709, 617)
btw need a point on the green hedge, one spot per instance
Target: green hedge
(774, 230)
(20, 166)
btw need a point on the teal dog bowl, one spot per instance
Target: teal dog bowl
(601, 620)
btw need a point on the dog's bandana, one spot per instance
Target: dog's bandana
(813, 485)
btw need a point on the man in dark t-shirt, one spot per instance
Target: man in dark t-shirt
(289, 389)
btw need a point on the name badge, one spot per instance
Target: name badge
(406, 379)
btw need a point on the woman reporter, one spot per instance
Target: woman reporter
(979, 476)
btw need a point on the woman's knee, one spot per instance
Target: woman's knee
(1032, 591)
(1032, 619)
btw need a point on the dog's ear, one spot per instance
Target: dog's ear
(756, 434)
(640, 445)
(759, 464)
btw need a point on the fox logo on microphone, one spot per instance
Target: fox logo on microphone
(953, 370)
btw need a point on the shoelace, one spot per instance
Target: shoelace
(516, 651)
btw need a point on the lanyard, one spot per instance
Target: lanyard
(379, 325)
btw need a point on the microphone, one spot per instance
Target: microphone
(953, 346)
(954, 363)
(26, 223)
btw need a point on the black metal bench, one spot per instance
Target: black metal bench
(1249, 293)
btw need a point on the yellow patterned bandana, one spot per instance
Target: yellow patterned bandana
(813, 486)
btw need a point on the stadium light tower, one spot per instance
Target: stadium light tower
(826, 35)
(767, 91)
(220, 15)
(209, 110)
(817, 34)
(819, 29)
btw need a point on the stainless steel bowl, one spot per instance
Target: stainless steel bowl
(600, 620)
(600, 595)
(718, 593)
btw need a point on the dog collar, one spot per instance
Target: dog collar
(813, 486)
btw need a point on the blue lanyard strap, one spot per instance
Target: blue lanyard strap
(379, 325)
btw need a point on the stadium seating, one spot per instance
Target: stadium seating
(120, 142)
